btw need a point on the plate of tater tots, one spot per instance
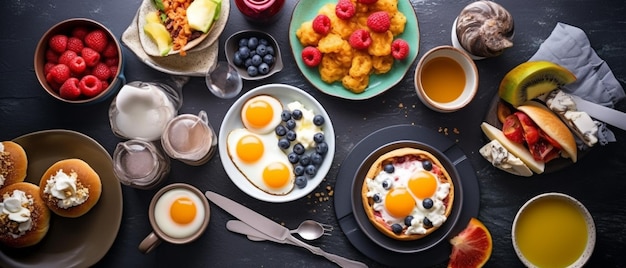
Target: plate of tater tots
(354, 49)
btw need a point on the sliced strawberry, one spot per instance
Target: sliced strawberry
(531, 131)
(512, 129)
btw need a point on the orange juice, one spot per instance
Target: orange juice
(551, 232)
(443, 79)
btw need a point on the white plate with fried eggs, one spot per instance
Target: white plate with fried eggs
(240, 170)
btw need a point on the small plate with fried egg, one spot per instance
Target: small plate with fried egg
(249, 145)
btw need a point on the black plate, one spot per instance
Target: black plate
(343, 201)
(389, 243)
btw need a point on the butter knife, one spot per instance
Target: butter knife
(605, 114)
(243, 228)
(274, 230)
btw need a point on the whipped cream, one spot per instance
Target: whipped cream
(14, 207)
(66, 189)
(305, 127)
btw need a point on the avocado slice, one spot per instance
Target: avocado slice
(159, 34)
(201, 14)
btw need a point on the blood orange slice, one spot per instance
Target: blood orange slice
(471, 247)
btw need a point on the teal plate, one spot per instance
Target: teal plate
(306, 10)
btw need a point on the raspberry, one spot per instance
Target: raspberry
(101, 71)
(399, 49)
(59, 73)
(360, 39)
(110, 51)
(80, 32)
(345, 9)
(70, 90)
(77, 65)
(96, 40)
(47, 67)
(321, 24)
(111, 61)
(67, 56)
(52, 56)
(311, 56)
(379, 21)
(367, 2)
(90, 86)
(75, 44)
(58, 43)
(91, 56)
(113, 70)
(105, 84)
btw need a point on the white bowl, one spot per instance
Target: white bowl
(232, 120)
(554, 239)
(471, 79)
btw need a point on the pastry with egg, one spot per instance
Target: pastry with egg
(70, 187)
(24, 216)
(407, 194)
(13, 163)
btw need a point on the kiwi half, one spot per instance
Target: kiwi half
(531, 79)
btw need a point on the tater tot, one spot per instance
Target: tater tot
(361, 65)
(355, 84)
(381, 43)
(382, 64)
(330, 69)
(331, 43)
(398, 21)
(306, 34)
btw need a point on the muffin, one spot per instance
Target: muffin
(13, 163)
(24, 216)
(70, 188)
(407, 194)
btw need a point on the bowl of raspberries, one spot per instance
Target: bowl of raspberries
(255, 54)
(79, 61)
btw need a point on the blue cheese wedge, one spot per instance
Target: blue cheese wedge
(501, 158)
(579, 122)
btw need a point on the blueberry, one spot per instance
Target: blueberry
(252, 53)
(318, 120)
(321, 148)
(316, 159)
(280, 130)
(269, 59)
(310, 170)
(257, 60)
(284, 143)
(427, 223)
(291, 124)
(253, 71)
(298, 148)
(270, 50)
(291, 135)
(301, 182)
(427, 203)
(285, 115)
(243, 42)
(396, 228)
(298, 170)
(264, 68)
(318, 137)
(244, 52)
(237, 60)
(247, 63)
(305, 159)
(407, 220)
(293, 157)
(253, 42)
(296, 114)
(377, 198)
(261, 50)
(263, 41)
(427, 165)
(389, 168)
(387, 184)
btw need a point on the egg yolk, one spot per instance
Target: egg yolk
(250, 148)
(423, 184)
(399, 202)
(276, 175)
(259, 113)
(183, 210)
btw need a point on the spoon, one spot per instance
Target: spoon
(311, 230)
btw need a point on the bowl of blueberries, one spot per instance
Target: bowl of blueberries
(255, 54)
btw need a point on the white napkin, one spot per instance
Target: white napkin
(569, 47)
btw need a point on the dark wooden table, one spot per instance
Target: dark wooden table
(597, 180)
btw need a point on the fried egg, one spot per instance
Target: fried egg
(179, 213)
(410, 196)
(261, 161)
(261, 114)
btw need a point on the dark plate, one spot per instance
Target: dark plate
(70, 242)
(347, 217)
(555, 165)
(405, 246)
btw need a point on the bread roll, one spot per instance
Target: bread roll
(60, 197)
(39, 217)
(404, 155)
(551, 125)
(13, 163)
